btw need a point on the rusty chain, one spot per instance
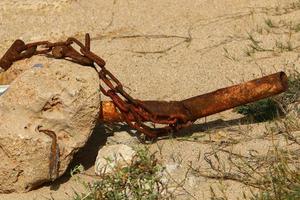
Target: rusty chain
(177, 114)
(129, 107)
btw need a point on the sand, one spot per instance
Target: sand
(163, 50)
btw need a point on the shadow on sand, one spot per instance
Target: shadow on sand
(87, 155)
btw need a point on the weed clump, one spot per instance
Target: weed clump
(142, 179)
(263, 110)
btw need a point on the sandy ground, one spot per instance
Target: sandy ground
(164, 50)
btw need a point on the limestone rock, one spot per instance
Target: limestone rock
(57, 95)
(111, 156)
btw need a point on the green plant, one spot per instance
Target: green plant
(142, 179)
(259, 111)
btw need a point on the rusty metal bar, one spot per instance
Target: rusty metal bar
(210, 103)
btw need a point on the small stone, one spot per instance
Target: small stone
(112, 156)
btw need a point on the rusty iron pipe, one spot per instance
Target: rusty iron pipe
(210, 103)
